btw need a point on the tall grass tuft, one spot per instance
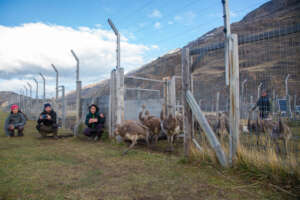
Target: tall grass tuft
(260, 163)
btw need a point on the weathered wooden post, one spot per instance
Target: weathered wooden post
(273, 102)
(139, 95)
(217, 102)
(242, 98)
(120, 95)
(295, 105)
(166, 97)
(172, 96)
(234, 96)
(252, 104)
(112, 104)
(287, 95)
(227, 32)
(186, 86)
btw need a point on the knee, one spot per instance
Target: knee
(21, 128)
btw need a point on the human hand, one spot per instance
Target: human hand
(101, 115)
(48, 117)
(11, 126)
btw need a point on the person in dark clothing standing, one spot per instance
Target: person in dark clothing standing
(263, 105)
(94, 122)
(47, 122)
(15, 121)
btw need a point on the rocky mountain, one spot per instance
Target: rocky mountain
(7, 97)
(265, 61)
(259, 61)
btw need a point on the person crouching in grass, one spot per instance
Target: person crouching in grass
(94, 122)
(15, 121)
(47, 122)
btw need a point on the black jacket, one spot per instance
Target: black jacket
(101, 120)
(48, 122)
(264, 104)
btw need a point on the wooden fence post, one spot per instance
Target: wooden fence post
(172, 95)
(166, 96)
(120, 95)
(112, 107)
(186, 86)
(213, 141)
(234, 97)
(217, 102)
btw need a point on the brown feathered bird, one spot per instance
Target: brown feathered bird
(133, 131)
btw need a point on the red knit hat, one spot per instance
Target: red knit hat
(14, 107)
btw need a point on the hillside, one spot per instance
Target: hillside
(271, 15)
(268, 61)
(6, 97)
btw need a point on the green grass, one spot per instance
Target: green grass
(75, 168)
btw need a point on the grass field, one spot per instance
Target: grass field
(71, 168)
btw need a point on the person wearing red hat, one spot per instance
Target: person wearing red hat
(15, 121)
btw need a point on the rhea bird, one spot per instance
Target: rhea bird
(152, 122)
(133, 131)
(281, 132)
(170, 125)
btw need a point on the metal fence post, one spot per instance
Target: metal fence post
(37, 89)
(217, 102)
(78, 93)
(56, 87)
(44, 87)
(287, 95)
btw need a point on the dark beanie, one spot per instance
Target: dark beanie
(47, 104)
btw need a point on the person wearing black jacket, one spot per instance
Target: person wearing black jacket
(94, 122)
(47, 122)
(263, 105)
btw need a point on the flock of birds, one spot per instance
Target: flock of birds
(150, 127)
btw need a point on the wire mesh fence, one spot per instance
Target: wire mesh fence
(140, 92)
(269, 84)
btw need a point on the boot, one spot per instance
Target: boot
(12, 134)
(20, 133)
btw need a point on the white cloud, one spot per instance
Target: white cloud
(233, 14)
(186, 18)
(154, 46)
(170, 22)
(31, 48)
(157, 25)
(155, 14)
(177, 18)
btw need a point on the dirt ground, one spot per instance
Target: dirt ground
(77, 168)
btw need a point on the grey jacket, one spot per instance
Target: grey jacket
(14, 119)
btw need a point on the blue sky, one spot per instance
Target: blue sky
(150, 27)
